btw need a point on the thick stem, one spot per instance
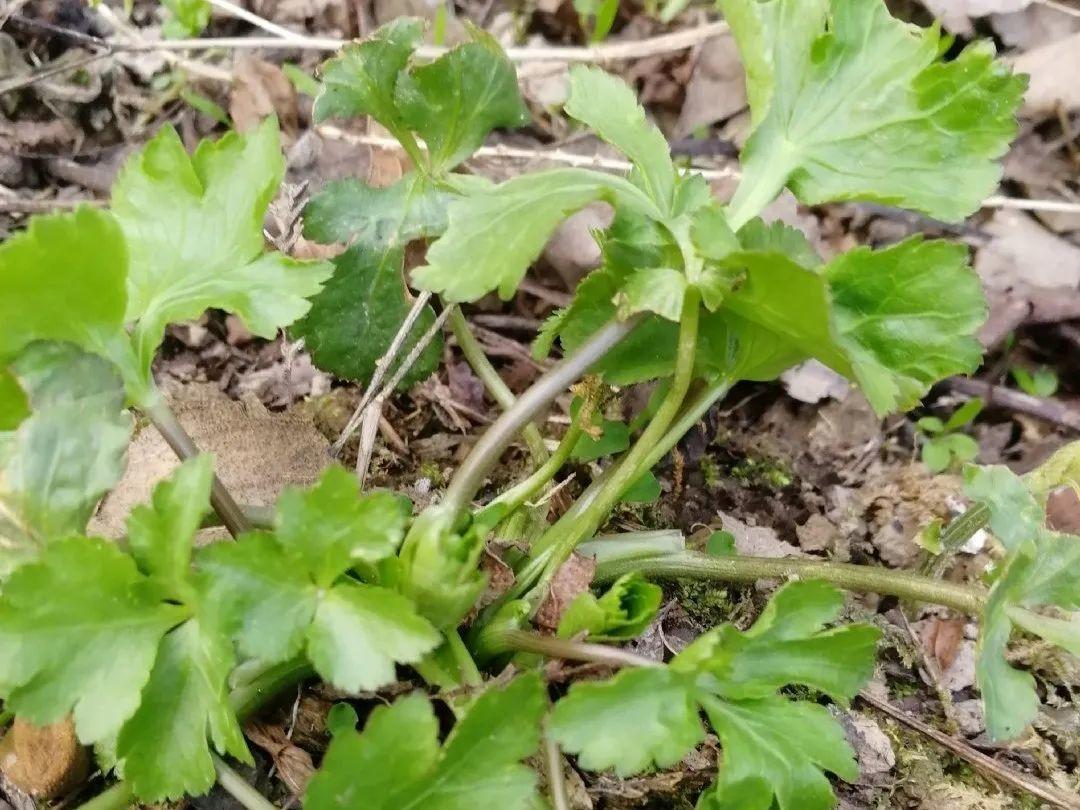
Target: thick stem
(471, 474)
(239, 788)
(568, 650)
(862, 578)
(181, 443)
(570, 530)
(474, 354)
(961, 529)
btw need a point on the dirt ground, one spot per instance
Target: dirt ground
(798, 467)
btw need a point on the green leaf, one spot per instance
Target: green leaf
(614, 438)
(494, 236)
(610, 108)
(396, 764)
(646, 489)
(62, 458)
(1042, 383)
(658, 289)
(331, 527)
(278, 594)
(355, 318)
(963, 447)
(360, 631)
(1015, 516)
(931, 424)
(14, 407)
(78, 634)
(439, 568)
(896, 320)
(63, 279)
(187, 18)
(160, 534)
(849, 103)
(624, 611)
(194, 229)
(361, 80)
(352, 212)
(638, 719)
(453, 102)
(776, 237)
(936, 455)
(965, 414)
(777, 747)
(1064, 633)
(164, 747)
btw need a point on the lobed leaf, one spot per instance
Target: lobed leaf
(193, 225)
(396, 763)
(849, 103)
(624, 611)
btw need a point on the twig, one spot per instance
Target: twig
(1064, 9)
(381, 369)
(372, 413)
(242, 13)
(1050, 410)
(978, 760)
(599, 54)
(20, 205)
(617, 165)
(556, 777)
(567, 649)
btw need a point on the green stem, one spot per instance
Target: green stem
(514, 498)
(245, 701)
(861, 578)
(239, 788)
(182, 444)
(555, 776)
(6, 717)
(751, 199)
(551, 647)
(472, 472)
(470, 674)
(570, 530)
(953, 537)
(474, 354)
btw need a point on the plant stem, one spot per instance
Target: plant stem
(239, 788)
(474, 354)
(515, 497)
(470, 674)
(6, 717)
(953, 537)
(181, 443)
(117, 797)
(471, 474)
(570, 530)
(566, 649)
(555, 776)
(862, 578)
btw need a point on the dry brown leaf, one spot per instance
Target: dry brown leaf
(572, 250)
(942, 638)
(956, 15)
(572, 578)
(256, 453)
(757, 541)
(717, 86)
(1063, 510)
(1053, 69)
(293, 763)
(261, 89)
(45, 762)
(1035, 26)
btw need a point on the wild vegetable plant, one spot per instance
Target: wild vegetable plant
(943, 444)
(157, 650)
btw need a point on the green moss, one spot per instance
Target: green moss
(767, 472)
(711, 472)
(433, 472)
(707, 603)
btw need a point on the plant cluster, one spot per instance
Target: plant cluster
(157, 649)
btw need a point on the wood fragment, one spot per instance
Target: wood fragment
(1048, 409)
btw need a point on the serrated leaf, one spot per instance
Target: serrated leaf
(638, 719)
(440, 568)
(194, 230)
(775, 747)
(355, 318)
(659, 290)
(78, 634)
(777, 237)
(330, 527)
(494, 236)
(361, 80)
(453, 102)
(360, 631)
(1015, 516)
(63, 278)
(849, 103)
(164, 748)
(188, 18)
(624, 611)
(395, 764)
(160, 533)
(610, 108)
(352, 212)
(63, 457)
(896, 320)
